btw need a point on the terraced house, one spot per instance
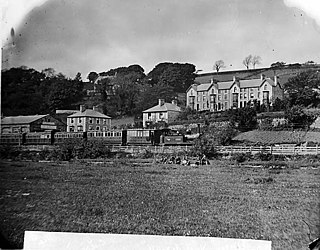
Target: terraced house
(219, 96)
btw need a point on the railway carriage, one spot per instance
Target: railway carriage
(112, 137)
(143, 136)
(60, 137)
(12, 139)
(38, 138)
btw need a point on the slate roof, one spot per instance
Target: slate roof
(203, 87)
(22, 119)
(225, 85)
(251, 83)
(163, 108)
(89, 113)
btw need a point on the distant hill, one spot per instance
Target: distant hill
(284, 73)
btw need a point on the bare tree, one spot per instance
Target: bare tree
(256, 60)
(218, 65)
(247, 61)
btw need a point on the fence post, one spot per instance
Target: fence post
(271, 149)
(316, 149)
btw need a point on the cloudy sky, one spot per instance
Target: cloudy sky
(96, 35)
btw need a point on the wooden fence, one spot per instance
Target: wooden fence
(276, 150)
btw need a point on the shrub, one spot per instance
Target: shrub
(240, 157)
(263, 156)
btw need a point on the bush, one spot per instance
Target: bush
(263, 156)
(241, 157)
(9, 152)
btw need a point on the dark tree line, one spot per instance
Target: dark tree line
(27, 92)
(129, 91)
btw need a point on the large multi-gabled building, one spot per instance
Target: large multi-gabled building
(219, 96)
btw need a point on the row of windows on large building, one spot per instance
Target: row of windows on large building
(91, 120)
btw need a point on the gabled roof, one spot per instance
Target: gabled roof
(22, 119)
(252, 83)
(225, 85)
(192, 86)
(89, 113)
(204, 87)
(163, 108)
(272, 83)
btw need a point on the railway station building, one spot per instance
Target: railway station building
(30, 123)
(220, 96)
(88, 120)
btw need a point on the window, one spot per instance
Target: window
(226, 105)
(225, 97)
(98, 120)
(219, 91)
(72, 121)
(204, 106)
(198, 98)
(90, 127)
(226, 91)
(98, 128)
(204, 98)
(265, 87)
(234, 89)
(244, 95)
(258, 94)
(191, 92)
(241, 96)
(219, 97)
(71, 129)
(251, 95)
(104, 121)
(79, 119)
(80, 128)
(91, 120)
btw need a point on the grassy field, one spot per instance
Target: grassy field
(221, 200)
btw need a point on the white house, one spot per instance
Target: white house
(163, 112)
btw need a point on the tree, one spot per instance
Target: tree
(92, 76)
(218, 65)
(49, 72)
(256, 60)
(20, 91)
(78, 77)
(244, 119)
(278, 65)
(178, 76)
(304, 89)
(298, 118)
(247, 61)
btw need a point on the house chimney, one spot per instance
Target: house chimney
(276, 80)
(161, 102)
(82, 108)
(94, 108)
(174, 102)
(262, 77)
(234, 78)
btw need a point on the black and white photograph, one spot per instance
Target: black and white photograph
(160, 124)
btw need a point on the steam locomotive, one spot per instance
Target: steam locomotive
(127, 137)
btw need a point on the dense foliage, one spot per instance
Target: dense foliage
(304, 89)
(26, 91)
